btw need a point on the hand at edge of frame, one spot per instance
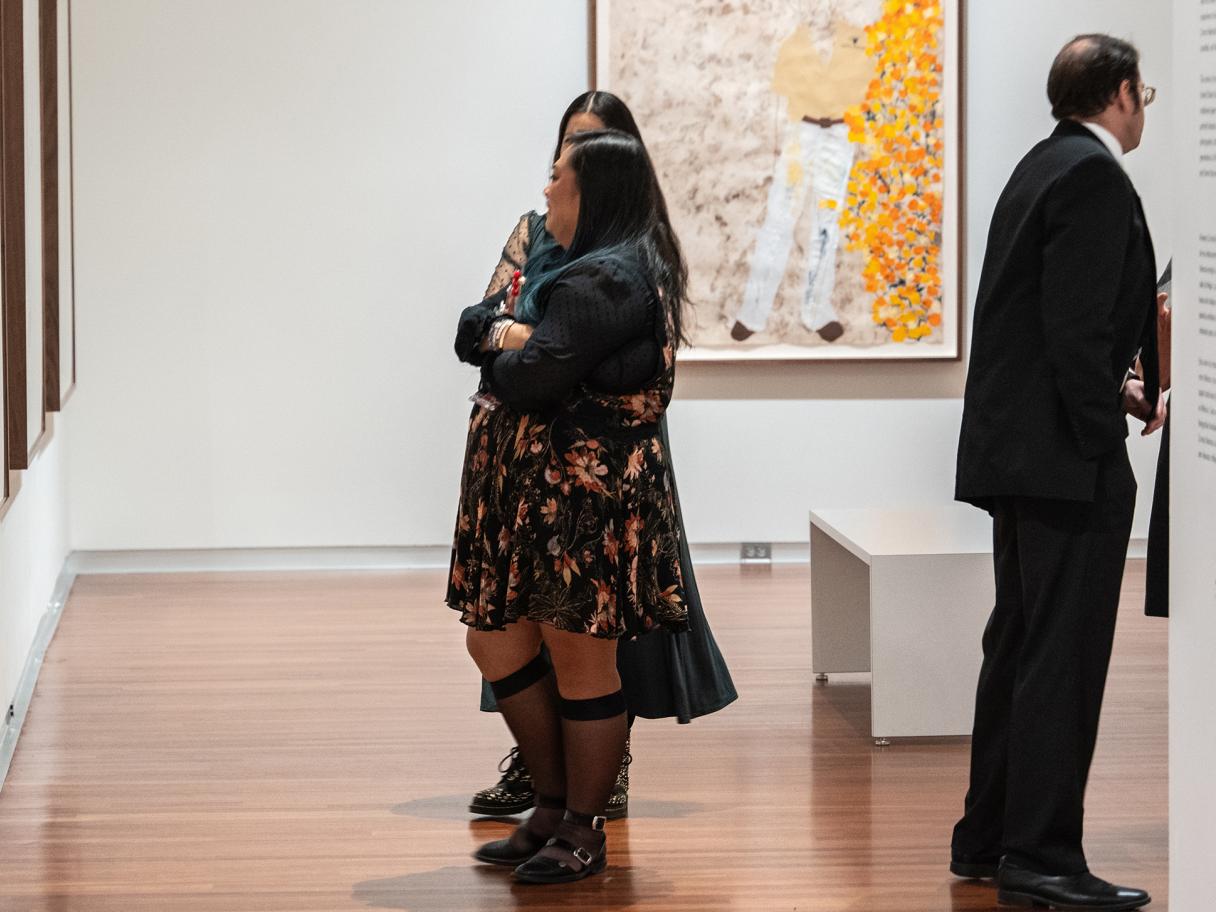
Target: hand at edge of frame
(1157, 421)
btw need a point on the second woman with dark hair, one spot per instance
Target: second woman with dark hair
(590, 552)
(668, 675)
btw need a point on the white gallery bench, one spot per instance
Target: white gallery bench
(904, 594)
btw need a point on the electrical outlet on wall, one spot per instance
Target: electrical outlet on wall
(752, 552)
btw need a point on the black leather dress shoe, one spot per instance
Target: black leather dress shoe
(1074, 893)
(504, 852)
(974, 868)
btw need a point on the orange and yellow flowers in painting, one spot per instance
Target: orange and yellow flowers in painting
(893, 211)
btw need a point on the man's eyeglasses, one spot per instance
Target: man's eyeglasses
(1149, 94)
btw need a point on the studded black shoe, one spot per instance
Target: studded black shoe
(618, 803)
(512, 795)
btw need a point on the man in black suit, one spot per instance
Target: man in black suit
(1066, 302)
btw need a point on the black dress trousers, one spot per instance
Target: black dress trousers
(1157, 567)
(1059, 570)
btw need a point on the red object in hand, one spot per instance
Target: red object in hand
(515, 283)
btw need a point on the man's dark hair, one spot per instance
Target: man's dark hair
(1087, 73)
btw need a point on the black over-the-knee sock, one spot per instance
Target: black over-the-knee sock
(527, 700)
(594, 733)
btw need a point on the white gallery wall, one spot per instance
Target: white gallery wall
(282, 204)
(1193, 465)
(281, 207)
(34, 533)
(33, 546)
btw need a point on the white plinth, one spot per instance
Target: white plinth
(904, 594)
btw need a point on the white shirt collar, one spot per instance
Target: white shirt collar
(1107, 137)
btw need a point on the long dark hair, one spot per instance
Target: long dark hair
(612, 112)
(545, 258)
(621, 206)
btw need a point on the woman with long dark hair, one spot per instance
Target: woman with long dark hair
(571, 539)
(667, 675)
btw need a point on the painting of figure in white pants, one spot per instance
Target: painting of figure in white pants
(809, 153)
(821, 71)
(813, 169)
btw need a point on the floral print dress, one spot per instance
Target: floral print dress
(567, 515)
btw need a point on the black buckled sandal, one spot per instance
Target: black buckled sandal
(541, 869)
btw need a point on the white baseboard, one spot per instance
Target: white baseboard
(414, 557)
(411, 557)
(11, 730)
(217, 560)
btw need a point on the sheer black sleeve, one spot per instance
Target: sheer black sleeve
(591, 314)
(514, 256)
(475, 320)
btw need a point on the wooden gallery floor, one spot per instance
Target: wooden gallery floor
(309, 742)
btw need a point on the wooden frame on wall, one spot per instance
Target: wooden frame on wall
(41, 426)
(5, 494)
(67, 382)
(12, 230)
(48, 84)
(56, 349)
(58, 204)
(718, 158)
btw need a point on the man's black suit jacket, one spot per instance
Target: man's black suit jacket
(1066, 300)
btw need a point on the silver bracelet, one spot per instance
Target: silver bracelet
(498, 332)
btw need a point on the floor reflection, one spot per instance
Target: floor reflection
(482, 888)
(439, 807)
(972, 895)
(455, 807)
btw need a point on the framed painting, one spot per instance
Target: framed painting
(66, 204)
(58, 294)
(810, 152)
(12, 224)
(35, 307)
(4, 478)
(48, 135)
